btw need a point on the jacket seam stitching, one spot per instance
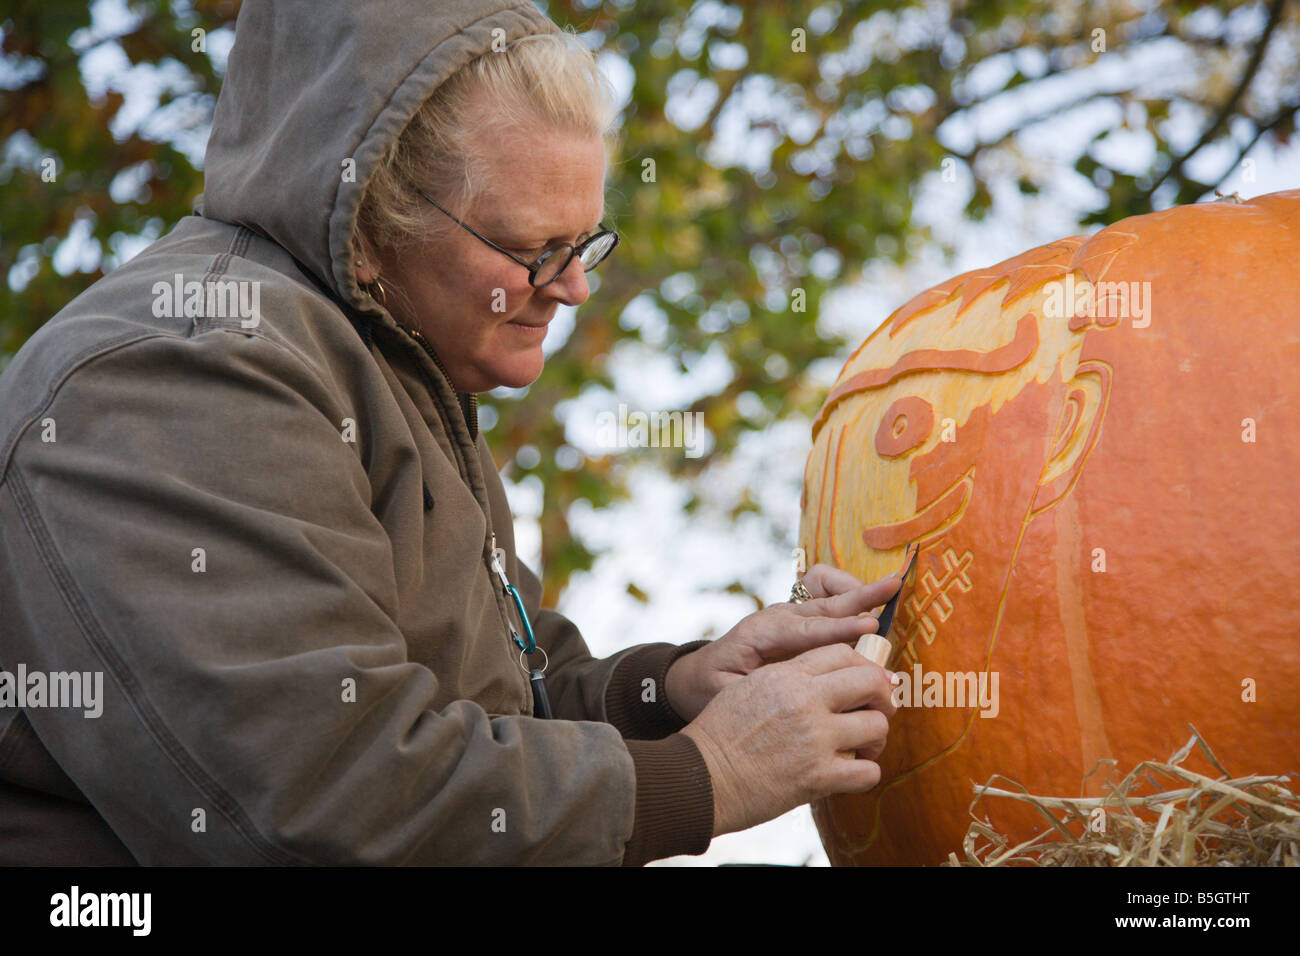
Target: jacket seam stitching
(84, 357)
(238, 246)
(101, 349)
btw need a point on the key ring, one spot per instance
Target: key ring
(545, 660)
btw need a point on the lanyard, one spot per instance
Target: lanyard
(536, 675)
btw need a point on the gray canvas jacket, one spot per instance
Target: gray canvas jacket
(271, 534)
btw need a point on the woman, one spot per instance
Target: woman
(243, 480)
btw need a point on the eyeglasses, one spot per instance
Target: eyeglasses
(550, 265)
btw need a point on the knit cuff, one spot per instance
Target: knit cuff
(639, 711)
(674, 800)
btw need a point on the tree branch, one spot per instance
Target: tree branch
(1175, 168)
(969, 157)
(1260, 130)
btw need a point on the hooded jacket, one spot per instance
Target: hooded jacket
(235, 489)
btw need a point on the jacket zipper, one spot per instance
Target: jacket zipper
(469, 407)
(470, 410)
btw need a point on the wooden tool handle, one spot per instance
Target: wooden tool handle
(876, 649)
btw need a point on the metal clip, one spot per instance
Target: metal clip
(512, 594)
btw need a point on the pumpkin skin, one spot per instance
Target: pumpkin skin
(1096, 526)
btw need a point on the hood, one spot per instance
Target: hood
(314, 95)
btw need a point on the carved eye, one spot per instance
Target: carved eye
(906, 424)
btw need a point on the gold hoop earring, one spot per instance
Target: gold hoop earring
(376, 291)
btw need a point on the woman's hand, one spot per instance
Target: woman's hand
(777, 738)
(839, 613)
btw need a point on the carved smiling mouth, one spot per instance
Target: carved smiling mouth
(928, 524)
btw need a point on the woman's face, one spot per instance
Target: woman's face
(476, 306)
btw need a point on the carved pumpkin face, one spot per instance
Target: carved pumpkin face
(1001, 420)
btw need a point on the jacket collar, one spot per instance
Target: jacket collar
(364, 323)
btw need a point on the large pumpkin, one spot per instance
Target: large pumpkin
(1097, 446)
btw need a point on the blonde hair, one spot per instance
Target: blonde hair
(548, 80)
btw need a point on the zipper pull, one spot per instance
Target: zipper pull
(541, 700)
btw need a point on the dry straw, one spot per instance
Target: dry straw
(1160, 814)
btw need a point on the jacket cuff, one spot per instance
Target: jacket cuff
(630, 707)
(674, 800)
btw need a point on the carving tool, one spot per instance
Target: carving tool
(877, 647)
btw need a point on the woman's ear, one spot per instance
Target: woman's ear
(365, 274)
